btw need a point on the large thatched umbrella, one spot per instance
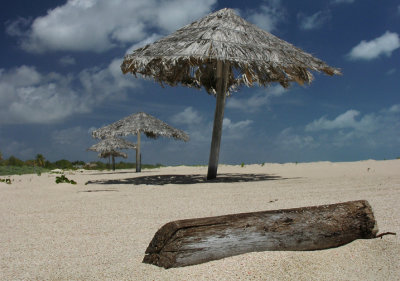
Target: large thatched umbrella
(220, 52)
(109, 147)
(140, 123)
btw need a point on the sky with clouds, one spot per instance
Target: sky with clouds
(60, 78)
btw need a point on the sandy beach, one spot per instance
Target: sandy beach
(100, 228)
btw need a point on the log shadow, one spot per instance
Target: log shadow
(189, 179)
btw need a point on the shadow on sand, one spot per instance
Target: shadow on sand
(189, 179)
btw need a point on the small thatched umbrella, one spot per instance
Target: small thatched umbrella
(140, 123)
(220, 52)
(109, 148)
(112, 154)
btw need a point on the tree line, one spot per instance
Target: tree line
(42, 162)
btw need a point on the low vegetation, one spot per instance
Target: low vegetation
(39, 165)
(64, 179)
(8, 181)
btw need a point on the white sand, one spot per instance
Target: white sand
(54, 231)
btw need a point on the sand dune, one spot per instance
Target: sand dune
(100, 228)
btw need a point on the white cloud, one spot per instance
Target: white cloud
(256, 101)
(28, 96)
(394, 109)
(383, 45)
(150, 39)
(189, 117)
(235, 130)
(268, 16)
(99, 25)
(373, 129)
(288, 139)
(345, 120)
(347, 133)
(314, 21)
(229, 125)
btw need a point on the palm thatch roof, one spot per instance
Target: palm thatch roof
(114, 153)
(189, 56)
(111, 145)
(140, 123)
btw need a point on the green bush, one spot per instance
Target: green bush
(14, 161)
(64, 179)
(16, 170)
(8, 181)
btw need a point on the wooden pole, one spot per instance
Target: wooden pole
(113, 162)
(138, 162)
(222, 78)
(194, 241)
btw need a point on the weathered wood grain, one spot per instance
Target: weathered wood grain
(223, 70)
(193, 241)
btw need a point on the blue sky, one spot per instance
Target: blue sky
(60, 78)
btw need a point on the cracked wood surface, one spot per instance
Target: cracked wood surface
(193, 241)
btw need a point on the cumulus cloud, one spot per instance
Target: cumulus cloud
(345, 120)
(268, 15)
(347, 133)
(235, 130)
(394, 108)
(383, 45)
(150, 39)
(314, 21)
(373, 128)
(200, 128)
(99, 25)
(289, 139)
(29, 96)
(257, 101)
(189, 116)
(229, 125)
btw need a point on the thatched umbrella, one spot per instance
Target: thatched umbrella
(220, 52)
(112, 154)
(109, 147)
(140, 123)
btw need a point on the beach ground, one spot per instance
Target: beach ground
(100, 228)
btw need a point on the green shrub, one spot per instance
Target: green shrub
(7, 181)
(14, 161)
(64, 179)
(16, 170)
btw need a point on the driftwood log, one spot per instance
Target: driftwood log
(193, 241)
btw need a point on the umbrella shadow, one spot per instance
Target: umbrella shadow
(117, 172)
(189, 179)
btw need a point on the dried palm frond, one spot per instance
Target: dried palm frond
(189, 56)
(143, 123)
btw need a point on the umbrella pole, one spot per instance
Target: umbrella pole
(222, 77)
(138, 162)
